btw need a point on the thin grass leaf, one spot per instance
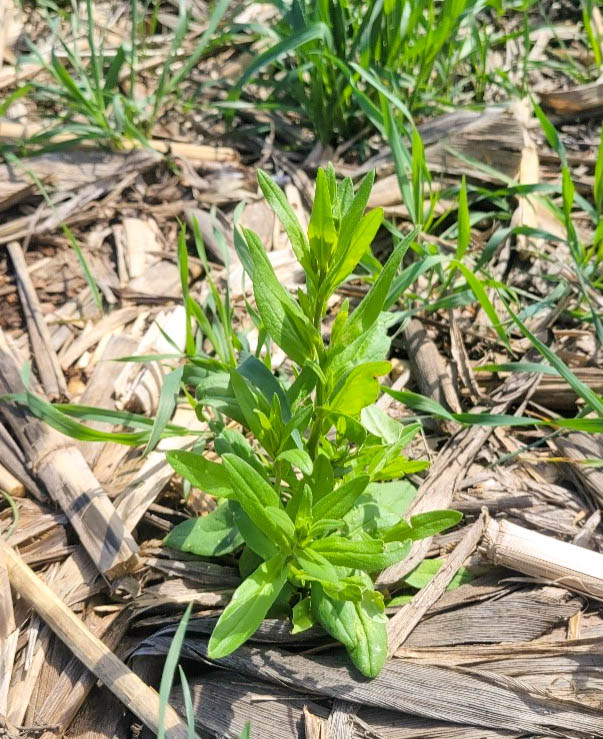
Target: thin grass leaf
(192, 61)
(463, 223)
(169, 670)
(168, 397)
(188, 704)
(543, 369)
(67, 426)
(479, 292)
(583, 391)
(315, 32)
(551, 133)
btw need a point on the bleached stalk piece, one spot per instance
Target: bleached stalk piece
(136, 695)
(140, 245)
(11, 130)
(10, 483)
(537, 555)
(401, 625)
(8, 636)
(59, 464)
(45, 356)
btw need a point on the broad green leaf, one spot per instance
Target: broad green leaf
(337, 617)
(370, 652)
(207, 476)
(282, 520)
(303, 514)
(313, 567)
(381, 506)
(233, 442)
(258, 544)
(247, 403)
(244, 477)
(282, 317)
(360, 243)
(345, 196)
(399, 468)
(399, 600)
(378, 423)
(371, 346)
(243, 252)
(359, 389)
(369, 555)
(322, 480)
(321, 229)
(359, 626)
(338, 502)
(347, 427)
(276, 199)
(207, 536)
(301, 616)
(255, 495)
(339, 323)
(260, 376)
(304, 383)
(428, 568)
(332, 183)
(247, 608)
(296, 425)
(297, 458)
(423, 525)
(353, 214)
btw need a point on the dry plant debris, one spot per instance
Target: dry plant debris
(497, 188)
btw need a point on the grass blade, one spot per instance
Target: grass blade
(169, 669)
(581, 390)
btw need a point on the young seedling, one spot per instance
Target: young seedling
(311, 494)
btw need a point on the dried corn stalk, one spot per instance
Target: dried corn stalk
(542, 556)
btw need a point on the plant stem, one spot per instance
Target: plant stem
(318, 420)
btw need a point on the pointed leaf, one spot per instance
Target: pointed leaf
(256, 496)
(372, 304)
(277, 200)
(338, 502)
(282, 317)
(247, 608)
(207, 476)
(297, 458)
(359, 389)
(207, 536)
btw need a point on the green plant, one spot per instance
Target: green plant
(314, 501)
(87, 98)
(167, 679)
(348, 52)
